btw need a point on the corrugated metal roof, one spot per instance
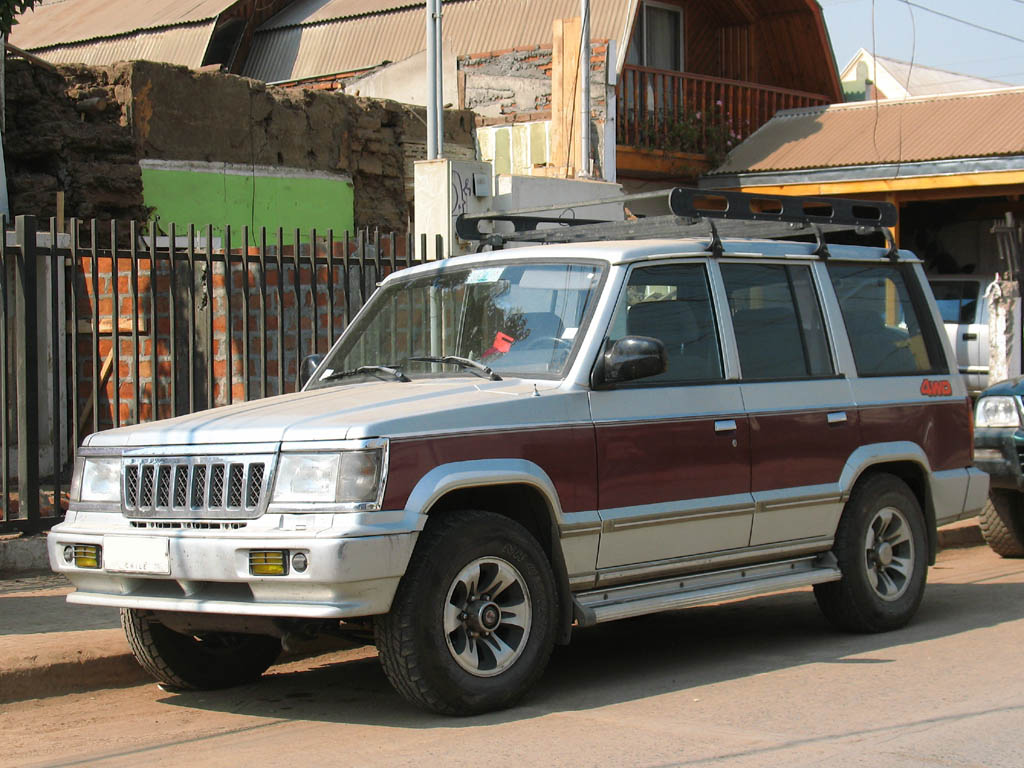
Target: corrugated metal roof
(185, 45)
(929, 81)
(345, 45)
(313, 11)
(954, 126)
(74, 21)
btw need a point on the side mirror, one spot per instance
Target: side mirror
(309, 364)
(630, 358)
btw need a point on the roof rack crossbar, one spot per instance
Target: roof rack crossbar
(687, 207)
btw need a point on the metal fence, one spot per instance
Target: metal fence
(112, 324)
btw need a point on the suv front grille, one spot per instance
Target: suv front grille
(196, 487)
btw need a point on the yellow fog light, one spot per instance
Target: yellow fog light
(273, 562)
(87, 555)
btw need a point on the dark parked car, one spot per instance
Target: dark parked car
(999, 450)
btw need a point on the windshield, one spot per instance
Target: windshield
(516, 319)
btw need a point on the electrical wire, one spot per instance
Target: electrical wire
(963, 21)
(906, 88)
(874, 84)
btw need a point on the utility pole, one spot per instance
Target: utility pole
(584, 89)
(439, 83)
(432, 120)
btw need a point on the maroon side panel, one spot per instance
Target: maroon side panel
(654, 461)
(566, 454)
(942, 429)
(789, 450)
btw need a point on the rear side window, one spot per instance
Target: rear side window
(957, 300)
(883, 314)
(777, 320)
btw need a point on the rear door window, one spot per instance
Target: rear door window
(887, 320)
(777, 320)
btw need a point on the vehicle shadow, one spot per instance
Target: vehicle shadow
(631, 659)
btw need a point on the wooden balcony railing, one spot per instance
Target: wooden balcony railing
(660, 109)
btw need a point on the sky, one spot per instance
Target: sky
(940, 42)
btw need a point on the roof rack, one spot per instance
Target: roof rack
(730, 214)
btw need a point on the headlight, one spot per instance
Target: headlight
(997, 412)
(344, 477)
(100, 480)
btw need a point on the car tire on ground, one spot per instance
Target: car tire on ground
(212, 660)
(882, 549)
(472, 624)
(1002, 522)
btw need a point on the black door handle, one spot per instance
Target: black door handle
(970, 336)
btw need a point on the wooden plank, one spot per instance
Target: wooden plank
(565, 63)
(106, 326)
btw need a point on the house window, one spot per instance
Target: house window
(657, 39)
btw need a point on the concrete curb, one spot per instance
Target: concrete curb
(23, 554)
(67, 662)
(965, 533)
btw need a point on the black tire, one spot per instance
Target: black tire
(1002, 522)
(874, 595)
(215, 660)
(422, 660)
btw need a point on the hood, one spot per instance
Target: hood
(370, 409)
(1008, 387)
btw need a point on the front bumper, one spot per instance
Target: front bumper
(353, 566)
(998, 453)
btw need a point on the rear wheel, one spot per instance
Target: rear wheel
(882, 551)
(1002, 522)
(197, 662)
(472, 625)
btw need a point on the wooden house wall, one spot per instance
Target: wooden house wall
(769, 42)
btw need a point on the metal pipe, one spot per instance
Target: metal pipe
(439, 63)
(584, 88)
(431, 82)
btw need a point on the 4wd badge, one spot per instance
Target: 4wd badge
(931, 388)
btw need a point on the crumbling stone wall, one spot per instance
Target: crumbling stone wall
(84, 130)
(68, 132)
(516, 83)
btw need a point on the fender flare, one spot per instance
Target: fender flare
(480, 473)
(867, 456)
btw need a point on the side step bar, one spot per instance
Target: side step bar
(600, 605)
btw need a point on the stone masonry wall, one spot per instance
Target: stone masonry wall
(84, 129)
(69, 132)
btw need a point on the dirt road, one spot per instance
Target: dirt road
(763, 682)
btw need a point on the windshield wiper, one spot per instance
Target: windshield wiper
(373, 370)
(462, 362)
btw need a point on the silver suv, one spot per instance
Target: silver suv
(505, 447)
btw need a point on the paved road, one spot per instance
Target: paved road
(761, 682)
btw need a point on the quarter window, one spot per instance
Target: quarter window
(883, 320)
(780, 332)
(672, 303)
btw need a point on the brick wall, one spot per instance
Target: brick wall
(258, 332)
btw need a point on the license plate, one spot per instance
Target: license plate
(136, 554)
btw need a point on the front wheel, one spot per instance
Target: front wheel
(472, 625)
(882, 551)
(197, 662)
(1002, 522)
